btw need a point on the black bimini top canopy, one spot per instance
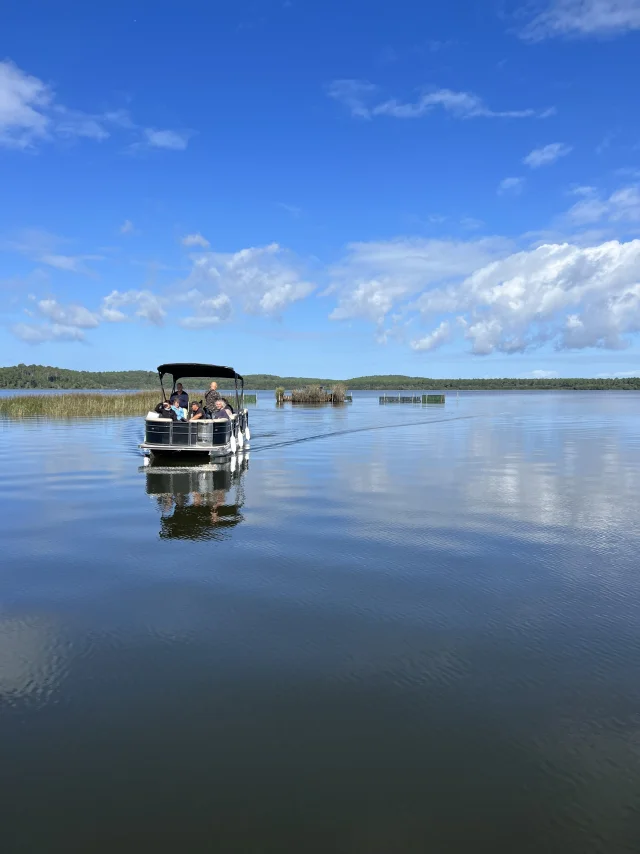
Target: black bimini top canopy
(194, 369)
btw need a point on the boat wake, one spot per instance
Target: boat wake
(333, 433)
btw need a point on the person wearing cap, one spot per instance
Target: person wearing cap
(196, 412)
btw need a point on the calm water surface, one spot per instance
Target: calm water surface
(387, 629)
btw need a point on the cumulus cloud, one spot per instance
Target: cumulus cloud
(374, 277)
(571, 296)
(361, 98)
(264, 280)
(513, 186)
(434, 339)
(583, 18)
(547, 154)
(30, 114)
(147, 306)
(61, 322)
(259, 280)
(579, 297)
(195, 240)
(576, 297)
(69, 315)
(496, 296)
(209, 311)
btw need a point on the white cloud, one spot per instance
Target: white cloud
(207, 311)
(354, 94)
(69, 315)
(171, 139)
(127, 227)
(42, 246)
(30, 114)
(265, 279)
(195, 240)
(623, 205)
(70, 263)
(148, 306)
(23, 101)
(74, 123)
(582, 190)
(547, 154)
(513, 186)
(260, 280)
(569, 295)
(62, 322)
(576, 297)
(435, 339)
(374, 277)
(584, 18)
(359, 96)
(40, 333)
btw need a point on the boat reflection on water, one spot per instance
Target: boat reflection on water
(197, 502)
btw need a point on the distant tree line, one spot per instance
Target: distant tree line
(401, 383)
(41, 377)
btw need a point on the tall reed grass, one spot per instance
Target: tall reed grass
(339, 392)
(74, 405)
(79, 404)
(310, 394)
(317, 394)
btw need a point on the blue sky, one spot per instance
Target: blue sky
(322, 188)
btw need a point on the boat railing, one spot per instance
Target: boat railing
(191, 434)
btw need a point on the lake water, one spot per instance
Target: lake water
(388, 629)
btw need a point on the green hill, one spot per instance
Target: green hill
(42, 377)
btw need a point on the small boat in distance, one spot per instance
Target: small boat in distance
(213, 437)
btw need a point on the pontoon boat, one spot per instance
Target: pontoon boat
(213, 437)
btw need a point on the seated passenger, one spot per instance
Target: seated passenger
(164, 410)
(220, 410)
(227, 405)
(196, 411)
(181, 396)
(181, 414)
